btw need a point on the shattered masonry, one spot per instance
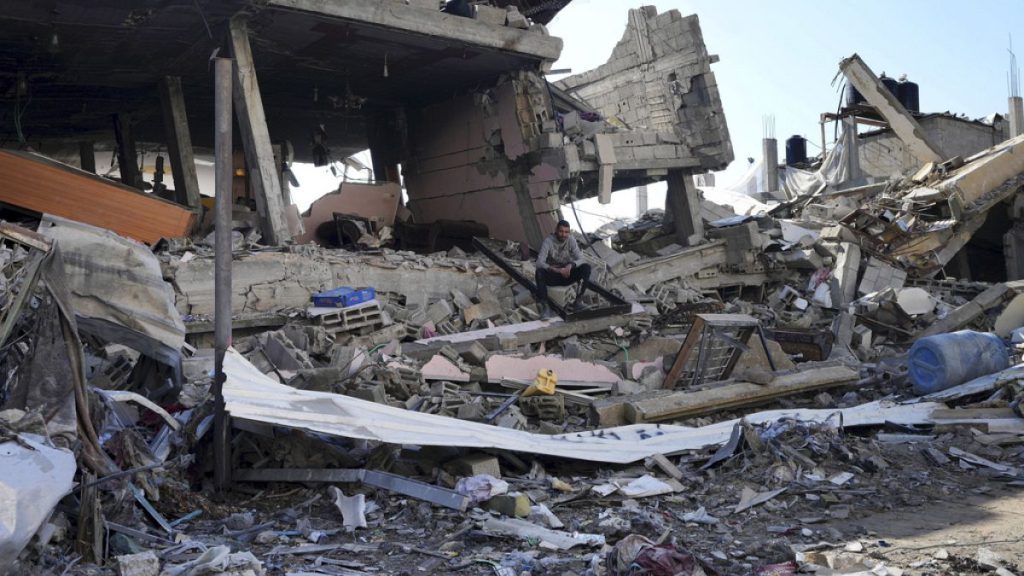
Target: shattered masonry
(754, 381)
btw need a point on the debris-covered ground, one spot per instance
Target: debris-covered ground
(797, 381)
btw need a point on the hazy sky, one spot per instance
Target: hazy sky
(780, 58)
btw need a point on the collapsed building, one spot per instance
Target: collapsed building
(388, 342)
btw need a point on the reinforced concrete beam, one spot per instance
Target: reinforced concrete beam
(899, 119)
(252, 123)
(399, 15)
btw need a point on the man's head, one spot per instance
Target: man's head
(562, 230)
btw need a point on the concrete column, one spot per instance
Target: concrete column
(1016, 116)
(87, 153)
(683, 202)
(641, 200)
(770, 148)
(853, 153)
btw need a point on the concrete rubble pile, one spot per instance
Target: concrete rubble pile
(759, 393)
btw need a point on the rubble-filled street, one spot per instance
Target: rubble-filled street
(439, 369)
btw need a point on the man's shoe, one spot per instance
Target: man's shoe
(545, 311)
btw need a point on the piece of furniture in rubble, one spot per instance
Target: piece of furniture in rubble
(719, 340)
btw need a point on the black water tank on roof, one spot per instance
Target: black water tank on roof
(909, 95)
(853, 96)
(796, 150)
(891, 84)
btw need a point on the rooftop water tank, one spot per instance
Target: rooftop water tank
(796, 150)
(909, 95)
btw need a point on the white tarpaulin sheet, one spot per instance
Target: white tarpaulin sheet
(32, 480)
(251, 395)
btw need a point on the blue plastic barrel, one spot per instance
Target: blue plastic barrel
(946, 360)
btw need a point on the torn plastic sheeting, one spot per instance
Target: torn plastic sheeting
(251, 395)
(32, 481)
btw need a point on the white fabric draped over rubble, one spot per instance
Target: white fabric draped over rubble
(794, 182)
(251, 395)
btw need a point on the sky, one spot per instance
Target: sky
(780, 59)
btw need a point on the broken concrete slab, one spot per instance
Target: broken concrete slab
(526, 369)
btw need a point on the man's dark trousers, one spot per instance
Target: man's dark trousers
(546, 277)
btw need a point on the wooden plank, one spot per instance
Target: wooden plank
(179, 141)
(689, 404)
(37, 183)
(252, 122)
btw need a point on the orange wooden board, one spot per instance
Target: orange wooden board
(37, 183)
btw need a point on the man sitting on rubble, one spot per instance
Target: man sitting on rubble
(560, 263)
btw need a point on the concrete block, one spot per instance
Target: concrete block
(142, 564)
(485, 310)
(489, 15)
(551, 140)
(473, 465)
(605, 149)
(513, 504)
(642, 153)
(660, 462)
(439, 311)
(476, 354)
(515, 19)
(847, 266)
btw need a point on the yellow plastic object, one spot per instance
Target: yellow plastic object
(544, 384)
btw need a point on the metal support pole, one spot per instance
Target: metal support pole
(223, 70)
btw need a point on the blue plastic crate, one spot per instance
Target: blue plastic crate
(343, 297)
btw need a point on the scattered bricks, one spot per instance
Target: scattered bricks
(507, 342)
(544, 407)
(861, 338)
(373, 393)
(475, 355)
(141, 564)
(550, 428)
(489, 15)
(483, 311)
(474, 410)
(335, 320)
(461, 300)
(513, 504)
(662, 463)
(446, 328)
(880, 275)
(473, 465)
(385, 335)
(512, 418)
(551, 140)
(442, 389)
(439, 311)
(449, 353)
